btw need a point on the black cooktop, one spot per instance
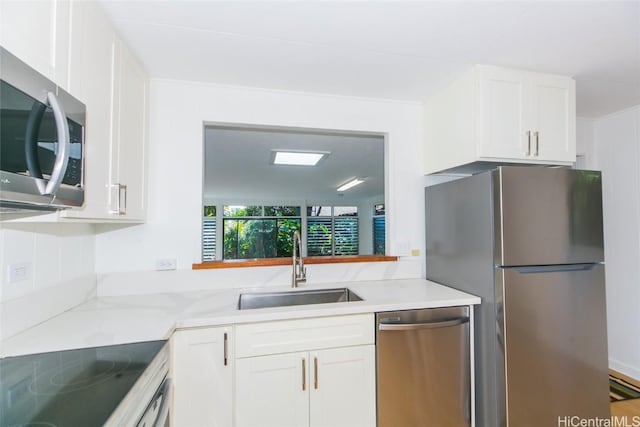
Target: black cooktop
(70, 388)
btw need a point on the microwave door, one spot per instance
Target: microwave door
(32, 145)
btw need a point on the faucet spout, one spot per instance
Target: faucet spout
(299, 273)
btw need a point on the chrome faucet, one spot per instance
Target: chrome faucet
(299, 273)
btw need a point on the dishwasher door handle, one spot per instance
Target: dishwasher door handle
(425, 325)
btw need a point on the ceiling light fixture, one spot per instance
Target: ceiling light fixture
(350, 184)
(297, 158)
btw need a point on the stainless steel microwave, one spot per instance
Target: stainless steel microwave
(41, 141)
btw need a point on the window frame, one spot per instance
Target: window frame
(220, 220)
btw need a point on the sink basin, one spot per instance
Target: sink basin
(282, 299)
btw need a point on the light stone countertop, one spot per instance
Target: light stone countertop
(125, 319)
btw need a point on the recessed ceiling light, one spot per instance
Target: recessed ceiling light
(350, 184)
(298, 158)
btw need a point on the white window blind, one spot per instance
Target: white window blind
(209, 239)
(345, 231)
(332, 234)
(319, 240)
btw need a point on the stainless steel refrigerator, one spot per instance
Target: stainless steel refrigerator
(528, 241)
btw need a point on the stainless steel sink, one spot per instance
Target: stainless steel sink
(282, 299)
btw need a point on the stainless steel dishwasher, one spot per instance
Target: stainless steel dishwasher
(423, 368)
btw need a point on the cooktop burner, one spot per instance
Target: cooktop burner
(70, 388)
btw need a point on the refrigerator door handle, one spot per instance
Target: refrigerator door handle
(425, 325)
(534, 269)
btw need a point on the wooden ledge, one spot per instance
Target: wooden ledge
(266, 262)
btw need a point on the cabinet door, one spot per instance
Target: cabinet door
(128, 175)
(202, 377)
(553, 117)
(28, 30)
(108, 79)
(272, 391)
(501, 114)
(91, 71)
(343, 390)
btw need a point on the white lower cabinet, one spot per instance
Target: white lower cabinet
(343, 387)
(321, 385)
(273, 390)
(202, 377)
(330, 388)
(317, 372)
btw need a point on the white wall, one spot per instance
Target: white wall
(616, 144)
(585, 144)
(58, 261)
(177, 113)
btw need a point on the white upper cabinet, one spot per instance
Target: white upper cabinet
(501, 114)
(37, 32)
(128, 174)
(111, 82)
(494, 115)
(73, 43)
(91, 70)
(553, 117)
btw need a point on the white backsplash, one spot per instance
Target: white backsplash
(56, 264)
(150, 282)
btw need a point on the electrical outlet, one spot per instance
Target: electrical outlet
(19, 272)
(166, 264)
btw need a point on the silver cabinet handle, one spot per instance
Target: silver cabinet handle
(226, 349)
(425, 325)
(537, 135)
(528, 143)
(315, 373)
(64, 144)
(304, 374)
(121, 208)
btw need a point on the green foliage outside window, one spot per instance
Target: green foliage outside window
(241, 211)
(270, 236)
(267, 231)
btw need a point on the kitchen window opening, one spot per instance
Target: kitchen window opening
(239, 173)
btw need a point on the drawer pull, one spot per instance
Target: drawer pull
(304, 374)
(226, 349)
(315, 373)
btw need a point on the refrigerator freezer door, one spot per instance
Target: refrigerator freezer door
(555, 343)
(547, 216)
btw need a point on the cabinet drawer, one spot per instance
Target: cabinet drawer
(257, 339)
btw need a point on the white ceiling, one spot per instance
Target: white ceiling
(238, 168)
(387, 49)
